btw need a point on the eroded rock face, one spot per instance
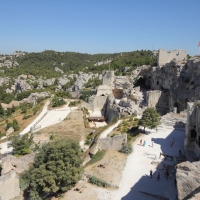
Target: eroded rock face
(21, 85)
(59, 70)
(81, 80)
(34, 96)
(192, 136)
(9, 184)
(188, 182)
(179, 80)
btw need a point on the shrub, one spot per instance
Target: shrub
(87, 142)
(52, 136)
(26, 116)
(97, 157)
(57, 102)
(96, 181)
(126, 149)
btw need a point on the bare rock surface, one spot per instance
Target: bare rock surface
(9, 184)
(188, 183)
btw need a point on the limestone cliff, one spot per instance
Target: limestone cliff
(178, 82)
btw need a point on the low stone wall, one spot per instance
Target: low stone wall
(114, 143)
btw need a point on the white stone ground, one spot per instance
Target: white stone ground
(52, 117)
(135, 176)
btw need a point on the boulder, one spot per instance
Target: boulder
(31, 77)
(63, 80)
(9, 131)
(188, 182)
(22, 85)
(18, 164)
(59, 70)
(22, 76)
(9, 184)
(34, 96)
(49, 82)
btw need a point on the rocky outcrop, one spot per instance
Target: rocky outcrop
(9, 184)
(59, 70)
(179, 80)
(34, 96)
(5, 81)
(188, 183)
(21, 85)
(192, 136)
(81, 80)
(9, 131)
(18, 164)
(49, 82)
(62, 80)
(121, 82)
(102, 62)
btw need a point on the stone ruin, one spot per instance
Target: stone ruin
(114, 143)
(115, 97)
(11, 168)
(165, 56)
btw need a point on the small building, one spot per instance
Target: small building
(96, 119)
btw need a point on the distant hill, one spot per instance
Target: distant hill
(44, 63)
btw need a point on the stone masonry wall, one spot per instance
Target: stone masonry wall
(165, 56)
(114, 143)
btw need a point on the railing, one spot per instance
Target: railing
(34, 125)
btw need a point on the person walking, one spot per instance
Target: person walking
(144, 143)
(140, 142)
(172, 142)
(180, 153)
(158, 177)
(167, 174)
(151, 173)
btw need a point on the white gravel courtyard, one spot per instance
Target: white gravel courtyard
(135, 176)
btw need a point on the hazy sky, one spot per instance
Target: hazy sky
(99, 26)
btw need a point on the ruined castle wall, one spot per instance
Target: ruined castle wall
(153, 97)
(103, 90)
(98, 103)
(158, 99)
(114, 143)
(165, 56)
(108, 77)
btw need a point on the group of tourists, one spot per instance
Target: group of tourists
(166, 174)
(144, 143)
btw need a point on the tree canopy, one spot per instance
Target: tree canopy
(150, 118)
(57, 167)
(21, 144)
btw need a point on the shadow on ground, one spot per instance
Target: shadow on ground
(146, 186)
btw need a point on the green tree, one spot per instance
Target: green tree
(150, 118)
(1, 110)
(57, 167)
(21, 144)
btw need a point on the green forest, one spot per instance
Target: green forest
(44, 63)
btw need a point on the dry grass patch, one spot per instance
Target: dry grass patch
(72, 127)
(112, 173)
